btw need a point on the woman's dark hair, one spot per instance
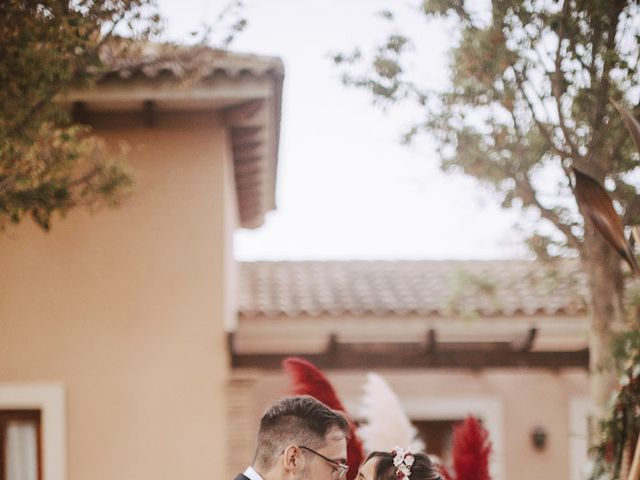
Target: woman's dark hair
(422, 468)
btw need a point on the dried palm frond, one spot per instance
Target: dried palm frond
(307, 379)
(386, 424)
(471, 451)
(630, 122)
(596, 205)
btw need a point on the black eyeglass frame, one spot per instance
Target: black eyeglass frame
(342, 468)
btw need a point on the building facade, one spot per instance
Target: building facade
(113, 326)
(503, 340)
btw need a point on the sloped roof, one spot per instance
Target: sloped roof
(151, 60)
(246, 89)
(425, 288)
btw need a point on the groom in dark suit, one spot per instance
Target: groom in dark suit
(300, 438)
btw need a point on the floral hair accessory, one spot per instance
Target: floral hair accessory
(403, 459)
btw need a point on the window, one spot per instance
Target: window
(438, 435)
(449, 409)
(20, 445)
(49, 400)
(579, 436)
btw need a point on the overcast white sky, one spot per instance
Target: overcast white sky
(346, 188)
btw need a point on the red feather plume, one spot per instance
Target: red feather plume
(444, 473)
(306, 379)
(471, 450)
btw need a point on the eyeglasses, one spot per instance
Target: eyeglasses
(339, 469)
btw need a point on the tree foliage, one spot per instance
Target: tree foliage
(529, 92)
(613, 452)
(529, 96)
(47, 48)
(47, 163)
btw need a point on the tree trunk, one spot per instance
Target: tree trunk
(603, 268)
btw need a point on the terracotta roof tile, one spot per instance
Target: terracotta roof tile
(426, 288)
(127, 60)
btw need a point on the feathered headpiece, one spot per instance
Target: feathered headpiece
(387, 425)
(471, 450)
(308, 380)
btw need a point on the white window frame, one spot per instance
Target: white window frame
(579, 409)
(487, 408)
(49, 398)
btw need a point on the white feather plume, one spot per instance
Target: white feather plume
(387, 425)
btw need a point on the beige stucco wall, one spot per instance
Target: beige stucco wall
(125, 309)
(514, 402)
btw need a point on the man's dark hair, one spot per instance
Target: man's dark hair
(301, 420)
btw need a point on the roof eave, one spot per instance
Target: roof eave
(249, 104)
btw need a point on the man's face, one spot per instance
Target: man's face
(334, 449)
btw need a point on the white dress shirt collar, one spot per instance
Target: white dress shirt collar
(251, 474)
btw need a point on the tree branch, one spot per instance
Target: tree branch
(86, 177)
(632, 214)
(529, 198)
(556, 86)
(602, 97)
(541, 127)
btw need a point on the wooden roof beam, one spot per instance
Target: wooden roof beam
(338, 355)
